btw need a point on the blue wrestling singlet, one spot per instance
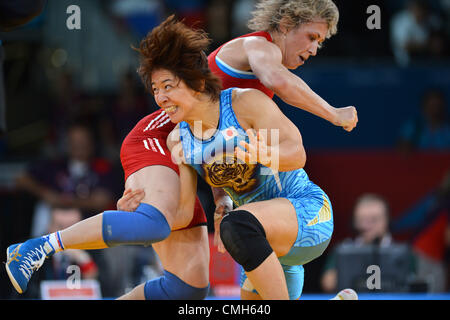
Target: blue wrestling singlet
(215, 162)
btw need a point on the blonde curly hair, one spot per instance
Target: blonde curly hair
(269, 14)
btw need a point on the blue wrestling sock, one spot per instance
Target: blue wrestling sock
(144, 226)
(170, 287)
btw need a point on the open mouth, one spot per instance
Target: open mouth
(171, 110)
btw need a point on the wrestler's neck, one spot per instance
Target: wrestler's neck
(203, 118)
(278, 38)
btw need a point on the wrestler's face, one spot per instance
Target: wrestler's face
(302, 42)
(172, 95)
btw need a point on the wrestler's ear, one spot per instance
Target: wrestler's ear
(283, 26)
(202, 87)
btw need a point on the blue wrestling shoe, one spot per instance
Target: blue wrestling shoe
(24, 259)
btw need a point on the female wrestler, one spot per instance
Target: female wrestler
(150, 171)
(300, 26)
(287, 33)
(157, 221)
(32, 264)
(282, 219)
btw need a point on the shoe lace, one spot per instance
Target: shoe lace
(32, 261)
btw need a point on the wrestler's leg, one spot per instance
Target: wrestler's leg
(88, 234)
(255, 235)
(190, 264)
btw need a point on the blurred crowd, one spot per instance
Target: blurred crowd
(409, 28)
(68, 137)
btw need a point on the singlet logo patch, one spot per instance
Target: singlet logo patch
(229, 133)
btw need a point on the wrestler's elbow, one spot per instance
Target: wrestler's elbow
(301, 157)
(298, 149)
(275, 81)
(295, 160)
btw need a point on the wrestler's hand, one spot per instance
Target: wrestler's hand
(256, 150)
(223, 206)
(347, 118)
(130, 200)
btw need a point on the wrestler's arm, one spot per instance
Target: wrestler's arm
(265, 60)
(279, 144)
(224, 204)
(188, 180)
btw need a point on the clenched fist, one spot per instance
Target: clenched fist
(347, 117)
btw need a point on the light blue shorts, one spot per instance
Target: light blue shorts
(315, 221)
(315, 226)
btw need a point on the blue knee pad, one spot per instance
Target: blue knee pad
(144, 226)
(170, 287)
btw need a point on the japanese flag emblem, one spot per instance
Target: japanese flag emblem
(229, 133)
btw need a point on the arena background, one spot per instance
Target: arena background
(54, 76)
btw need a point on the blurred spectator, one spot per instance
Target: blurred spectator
(62, 218)
(371, 224)
(411, 29)
(75, 179)
(127, 108)
(429, 223)
(431, 130)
